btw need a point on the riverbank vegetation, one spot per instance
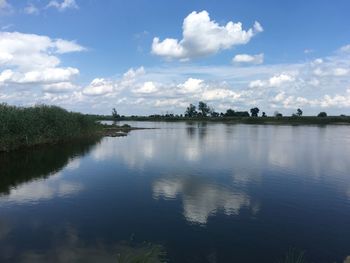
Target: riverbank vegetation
(23, 127)
(203, 112)
(30, 126)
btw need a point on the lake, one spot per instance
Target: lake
(186, 192)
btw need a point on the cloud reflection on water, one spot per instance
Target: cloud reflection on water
(42, 190)
(202, 198)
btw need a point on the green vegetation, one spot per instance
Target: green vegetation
(144, 253)
(22, 127)
(322, 114)
(207, 113)
(294, 256)
(41, 124)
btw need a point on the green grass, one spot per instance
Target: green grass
(294, 256)
(30, 126)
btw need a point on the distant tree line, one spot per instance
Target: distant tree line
(203, 110)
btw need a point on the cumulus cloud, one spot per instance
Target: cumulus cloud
(146, 88)
(219, 94)
(45, 76)
(203, 36)
(274, 81)
(191, 85)
(64, 5)
(250, 59)
(278, 80)
(282, 87)
(99, 87)
(33, 59)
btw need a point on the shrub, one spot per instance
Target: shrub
(322, 114)
(40, 124)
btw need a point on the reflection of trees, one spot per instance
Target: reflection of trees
(190, 131)
(22, 166)
(202, 198)
(198, 128)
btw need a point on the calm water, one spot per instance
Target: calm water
(200, 192)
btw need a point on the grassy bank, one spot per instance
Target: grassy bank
(22, 127)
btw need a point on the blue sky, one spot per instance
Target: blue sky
(146, 57)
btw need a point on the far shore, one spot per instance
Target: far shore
(303, 120)
(26, 127)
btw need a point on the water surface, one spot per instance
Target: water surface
(199, 192)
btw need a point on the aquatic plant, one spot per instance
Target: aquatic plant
(20, 126)
(294, 256)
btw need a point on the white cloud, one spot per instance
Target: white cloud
(64, 46)
(202, 37)
(62, 6)
(219, 94)
(99, 87)
(341, 71)
(28, 51)
(273, 82)
(278, 80)
(282, 87)
(191, 85)
(131, 75)
(146, 88)
(32, 59)
(46, 76)
(335, 72)
(60, 87)
(31, 10)
(245, 58)
(257, 84)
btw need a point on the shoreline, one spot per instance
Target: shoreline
(113, 130)
(306, 120)
(102, 131)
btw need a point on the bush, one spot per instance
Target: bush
(322, 114)
(40, 124)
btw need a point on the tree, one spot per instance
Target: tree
(277, 114)
(299, 112)
(242, 114)
(254, 112)
(115, 114)
(204, 108)
(230, 113)
(191, 111)
(322, 114)
(264, 114)
(214, 113)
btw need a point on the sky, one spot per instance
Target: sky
(155, 57)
